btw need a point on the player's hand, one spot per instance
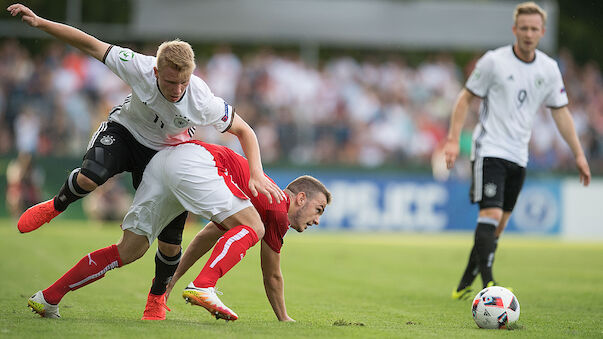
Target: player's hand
(451, 151)
(265, 186)
(27, 15)
(584, 169)
(287, 319)
(168, 290)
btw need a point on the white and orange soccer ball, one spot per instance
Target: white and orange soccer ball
(495, 307)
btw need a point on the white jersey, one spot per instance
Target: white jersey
(512, 91)
(154, 121)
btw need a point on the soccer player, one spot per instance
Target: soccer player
(166, 104)
(208, 180)
(513, 82)
(307, 199)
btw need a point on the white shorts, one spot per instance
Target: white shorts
(179, 178)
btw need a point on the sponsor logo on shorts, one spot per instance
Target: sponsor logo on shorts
(490, 190)
(107, 140)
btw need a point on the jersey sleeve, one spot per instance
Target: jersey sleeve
(223, 113)
(277, 224)
(479, 81)
(129, 65)
(557, 96)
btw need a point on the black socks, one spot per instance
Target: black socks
(164, 270)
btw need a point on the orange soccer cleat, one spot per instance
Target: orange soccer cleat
(155, 309)
(36, 216)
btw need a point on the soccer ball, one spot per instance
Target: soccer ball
(495, 307)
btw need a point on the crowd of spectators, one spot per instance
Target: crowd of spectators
(378, 111)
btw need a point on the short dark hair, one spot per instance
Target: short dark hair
(310, 186)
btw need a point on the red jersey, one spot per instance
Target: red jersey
(234, 168)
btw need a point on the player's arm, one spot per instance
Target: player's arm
(457, 119)
(201, 244)
(565, 125)
(258, 182)
(273, 281)
(73, 36)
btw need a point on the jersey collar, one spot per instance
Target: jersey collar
(179, 100)
(518, 58)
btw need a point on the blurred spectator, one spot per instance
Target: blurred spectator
(371, 112)
(109, 202)
(24, 182)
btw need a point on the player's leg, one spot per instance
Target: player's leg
(245, 228)
(167, 258)
(202, 243)
(196, 182)
(486, 242)
(513, 183)
(463, 290)
(90, 268)
(487, 189)
(228, 251)
(107, 155)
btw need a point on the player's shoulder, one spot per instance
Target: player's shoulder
(545, 60)
(501, 53)
(494, 56)
(199, 87)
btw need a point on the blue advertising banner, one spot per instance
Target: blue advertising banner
(392, 202)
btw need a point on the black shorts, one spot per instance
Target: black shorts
(496, 183)
(113, 150)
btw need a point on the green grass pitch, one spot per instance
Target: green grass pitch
(337, 285)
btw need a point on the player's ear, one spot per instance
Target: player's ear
(300, 198)
(156, 71)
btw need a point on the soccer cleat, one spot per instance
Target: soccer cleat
(463, 294)
(36, 216)
(207, 298)
(493, 283)
(155, 309)
(38, 304)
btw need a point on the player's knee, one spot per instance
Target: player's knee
(167, 249)
(86, 183)
(94, 166)
(259, 229)
(493, 213)
(132, 247)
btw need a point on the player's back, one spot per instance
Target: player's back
(234, 166)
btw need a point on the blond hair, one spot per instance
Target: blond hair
(529, 7)
(310, 186)
(176, 54)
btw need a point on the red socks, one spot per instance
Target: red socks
(229, 250)
(89, 269)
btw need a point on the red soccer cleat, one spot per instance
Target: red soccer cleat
(155, 309)
(36, 216)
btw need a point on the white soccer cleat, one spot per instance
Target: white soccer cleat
(38, 304)
(208, 299)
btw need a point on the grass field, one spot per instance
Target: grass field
(337, 285)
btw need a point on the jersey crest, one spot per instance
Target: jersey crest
(490, 190)
(107, 140)
(180, 121)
